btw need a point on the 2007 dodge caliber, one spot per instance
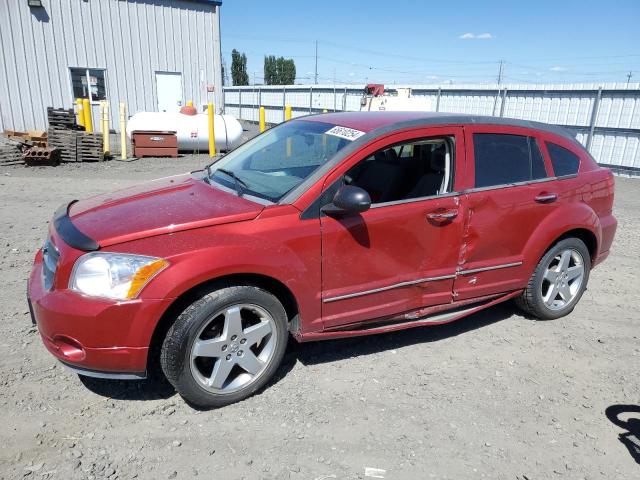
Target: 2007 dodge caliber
(326, 226)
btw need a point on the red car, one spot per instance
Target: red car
(323, 227)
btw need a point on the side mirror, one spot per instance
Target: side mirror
(349, 199)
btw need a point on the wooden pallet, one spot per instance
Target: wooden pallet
(66, 141)
(10, 151)
(61, 117)
(10, 156)
(90, 147)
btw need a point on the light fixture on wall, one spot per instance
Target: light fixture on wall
(34, 3)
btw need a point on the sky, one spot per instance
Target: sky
(425, 42)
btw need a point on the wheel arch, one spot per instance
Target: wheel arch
(575, 220)
(587, 236)
(186, 298)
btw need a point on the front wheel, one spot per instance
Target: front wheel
(558, 281)
(225, 346)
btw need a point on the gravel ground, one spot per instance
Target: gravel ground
(495, 395)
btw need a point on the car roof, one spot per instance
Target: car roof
(390, 121)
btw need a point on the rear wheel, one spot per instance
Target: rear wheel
(225, 346)
(558, 282)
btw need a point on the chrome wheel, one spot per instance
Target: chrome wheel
(563, 279)
(233, 348)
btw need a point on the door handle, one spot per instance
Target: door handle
(442, 216)
(546, 197)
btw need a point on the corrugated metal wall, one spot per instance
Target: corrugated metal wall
(131, 39)
(606, 117)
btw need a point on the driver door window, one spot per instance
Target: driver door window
(406, 171)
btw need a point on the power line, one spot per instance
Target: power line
(343, 46)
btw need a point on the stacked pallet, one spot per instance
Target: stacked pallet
(90, 148)
(10, 151)
(64, 140)
(59, 117)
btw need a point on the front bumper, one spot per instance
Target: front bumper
(95, 337)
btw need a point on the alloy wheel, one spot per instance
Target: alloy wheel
(233, 348)
(563, 279)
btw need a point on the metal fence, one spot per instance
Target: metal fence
(605, 118)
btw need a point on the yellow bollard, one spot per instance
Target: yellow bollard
(212, 138)
(106, 134)
(88, 121)
(262, 122)
(79, 112)
(123, 132)
(189, 103)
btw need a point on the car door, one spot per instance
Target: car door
(510, 193)
(402, 253)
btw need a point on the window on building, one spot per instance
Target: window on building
(88, 83)
(504, 159)
(415, 169)
(564, 161)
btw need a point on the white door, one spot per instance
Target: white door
(169, 87)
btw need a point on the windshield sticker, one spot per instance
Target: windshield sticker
(344, 132)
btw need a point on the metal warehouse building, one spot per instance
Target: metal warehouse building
(151, 54)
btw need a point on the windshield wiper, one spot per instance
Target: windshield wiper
(240, 185)
(207, 177)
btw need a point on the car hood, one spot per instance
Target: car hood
(167, 205)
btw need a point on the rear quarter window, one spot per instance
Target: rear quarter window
(564, 161)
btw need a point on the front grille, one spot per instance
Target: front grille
(50, 257)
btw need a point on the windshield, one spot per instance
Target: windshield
(280, 159)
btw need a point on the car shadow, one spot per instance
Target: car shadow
(156, 387)
(631, 438)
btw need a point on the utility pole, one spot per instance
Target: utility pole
(316, 70)
(500, 70)
(629, 75)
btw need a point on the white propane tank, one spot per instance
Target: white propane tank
(192, 130)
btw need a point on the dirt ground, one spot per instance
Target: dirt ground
(495, 395)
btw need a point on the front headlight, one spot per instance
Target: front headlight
(114, 275)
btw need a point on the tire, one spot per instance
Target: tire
(539, 299)
(225, 346)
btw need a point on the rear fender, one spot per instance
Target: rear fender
(572, 216)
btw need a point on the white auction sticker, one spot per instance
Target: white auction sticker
(344, 132)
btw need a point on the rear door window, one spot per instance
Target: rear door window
(564, 161)
(503, 159)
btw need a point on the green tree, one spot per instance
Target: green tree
(239, 75)
(288, 74)
(279, 71)
(270, 76)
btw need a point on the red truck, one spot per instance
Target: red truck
(323, 227)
